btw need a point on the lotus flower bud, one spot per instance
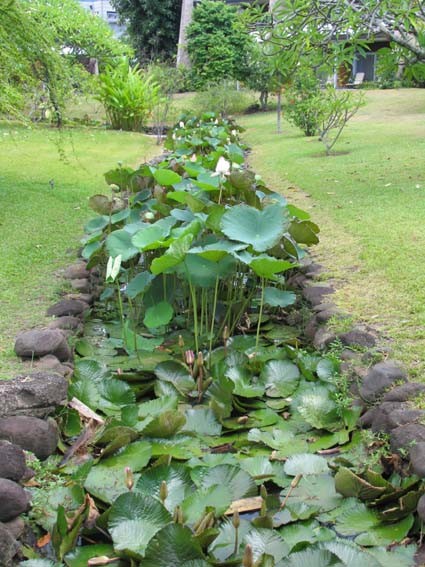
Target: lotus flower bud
(129, 478)
(263, 492)
(163, 491)
(181, 341)
(190, 357)
(200, 359)
(226, 333)
(248, 557)
(236, 521)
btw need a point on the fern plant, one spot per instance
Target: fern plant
(128, 95)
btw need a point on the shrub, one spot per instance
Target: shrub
(304, 103)
(128, 95)
(223, 98)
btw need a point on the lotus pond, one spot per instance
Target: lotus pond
(201, 428)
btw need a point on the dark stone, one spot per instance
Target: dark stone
(316, 294)
(314, 270)
(82, 285)
(15, 527)
(323, 338)
(404, 437)
(420, 557)
(311, 328)
(325, 315)
(39, 342)
(358, 338)
(367, 418)
(417, 462)
(84, 297)
(324, 307)
(50, 362)
(8, 547)
(67, 307)
(390, 415)
(12, 461)
(32, 434)
(405, 392)
(76, 271)
(348, 355)
(36, 395)
(67, 322)
(297, 280)
(14, 500)
(381, 377)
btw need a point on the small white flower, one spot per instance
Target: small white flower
(223, 166)
(234, 133)
(181, 124)
(174, 136)
(216, 121)
(193, 158)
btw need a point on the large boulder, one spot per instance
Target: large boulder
(67, 323)
(405, 437)
(32, 434)
(381, 377)
(71, 307)
(404, 392)
(76, 271)
(35, 395)
(315, 294)
(358, 338)
(417, 462)
(12, 461)
(14, 500)
(390, 415)
(39, 342)
(8, 547)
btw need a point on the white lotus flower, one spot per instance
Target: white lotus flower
(223, 166)
(193, 158)
(181, 124)
(113, 268)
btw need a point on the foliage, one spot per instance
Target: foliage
(223, 99)
(304, 27)
(44, 53)
(259, 74)
(304, 103)
(153, 27)
(186, 435)
(218, 43)
(129, 96)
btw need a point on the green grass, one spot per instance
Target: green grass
(370, 205)
(41, 225)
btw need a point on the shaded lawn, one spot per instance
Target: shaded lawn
(370, 205)
(45, 182)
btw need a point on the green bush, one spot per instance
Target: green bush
(128, 95)
(223, 99)
(304, 103)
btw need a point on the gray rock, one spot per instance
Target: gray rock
(381, 377)
(405, 392)
(50, 362)
(14, 500)
(8, 547)
(367, 418)
(15, 527)
(67, 322)
(84, 297)
(76, 271)
(390, 415)
(417, 462)
(311, 328)
(323, 338)
(32, 434)
(326, 314)
(35, 395)
(316, 294)
(358, 338)
(39, 342)
(348, 355)
(67, 307)
(12, 461)
(404, 437)
(324, 307)
(82, 285)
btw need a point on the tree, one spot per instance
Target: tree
(335, 28)
(153, 26)
(41, 44)
(218, 43)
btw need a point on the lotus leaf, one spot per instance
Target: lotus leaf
(238, 482)
(280, 378)
(166, 177)
(217, 498)
(305, 464)
(174, 545)
(158, 315)
(119, 243)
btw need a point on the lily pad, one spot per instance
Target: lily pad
(280, 377)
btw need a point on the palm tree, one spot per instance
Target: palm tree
(186, 18)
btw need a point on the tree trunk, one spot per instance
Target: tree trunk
(186, 18)
(279, 111)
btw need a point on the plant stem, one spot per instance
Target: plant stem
(260, 315)
(195, 315)
(213, 320)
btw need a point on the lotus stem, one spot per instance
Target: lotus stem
(260, 315)
(213, 320)
(292, 486)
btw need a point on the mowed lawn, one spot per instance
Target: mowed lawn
(370, 205)
(46, 179)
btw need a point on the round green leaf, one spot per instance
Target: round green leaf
(118, 243)
(158, 315)
(177, 478)
(167, 177)
(305, 464)
(174, 545)
(134, 519)
(280, 378)
(262, 229)
(278, 298)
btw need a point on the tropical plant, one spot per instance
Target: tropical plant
(128, 94)
(218, 43)
(223, 99)
(304, 102)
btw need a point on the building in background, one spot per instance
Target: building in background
(105, 10)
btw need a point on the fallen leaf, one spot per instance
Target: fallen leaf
(44, 540)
